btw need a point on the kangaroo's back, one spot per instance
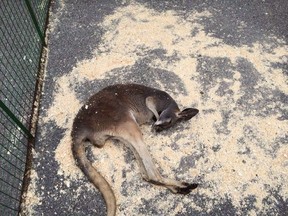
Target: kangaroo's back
(114, 104)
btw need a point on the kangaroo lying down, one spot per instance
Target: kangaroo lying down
(116, 113)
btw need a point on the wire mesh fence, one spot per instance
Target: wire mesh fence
(22, 27)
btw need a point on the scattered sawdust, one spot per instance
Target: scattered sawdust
(31, 198)
(97, 66)
(130, 32)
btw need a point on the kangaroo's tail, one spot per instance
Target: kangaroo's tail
(85, 165)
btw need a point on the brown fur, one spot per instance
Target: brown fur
(116, 113)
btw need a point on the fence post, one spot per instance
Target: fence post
(34, 19)
(15, 119)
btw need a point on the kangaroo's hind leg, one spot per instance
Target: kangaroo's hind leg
(129, 132)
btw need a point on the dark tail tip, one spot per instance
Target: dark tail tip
(187, 189)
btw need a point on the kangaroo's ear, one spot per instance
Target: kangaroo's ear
(187, 113)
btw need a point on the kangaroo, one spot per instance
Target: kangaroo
(116, 112)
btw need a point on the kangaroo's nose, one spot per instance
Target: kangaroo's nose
(157, 128)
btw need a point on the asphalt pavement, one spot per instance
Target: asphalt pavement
(229, 59)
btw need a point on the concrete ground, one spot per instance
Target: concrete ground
(226, 58)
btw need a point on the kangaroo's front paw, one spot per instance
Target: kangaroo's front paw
(186, 189)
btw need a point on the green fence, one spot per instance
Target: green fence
(22, 30)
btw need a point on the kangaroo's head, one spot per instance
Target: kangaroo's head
(169, 117)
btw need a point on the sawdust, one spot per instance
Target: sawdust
(31, 198)
(130, 32)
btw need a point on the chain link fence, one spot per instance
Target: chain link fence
(22, 30)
